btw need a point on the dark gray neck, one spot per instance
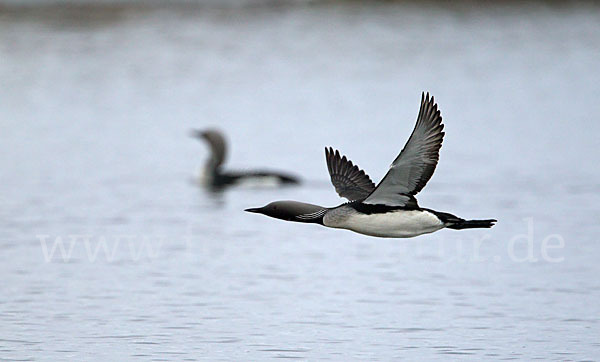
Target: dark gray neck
(307, 213)
(211, 167)
(218, 152)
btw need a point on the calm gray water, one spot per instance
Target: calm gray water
(110, 252)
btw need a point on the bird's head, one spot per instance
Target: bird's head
(292, 211)
(216, 141)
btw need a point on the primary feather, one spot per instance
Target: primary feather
(349, 181)
(415, 164)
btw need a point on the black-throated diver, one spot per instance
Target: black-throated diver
(214, 177)
(389, 209)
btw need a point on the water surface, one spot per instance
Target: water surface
(96, 104)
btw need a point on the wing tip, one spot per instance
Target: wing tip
(429, 111)
(426, 98)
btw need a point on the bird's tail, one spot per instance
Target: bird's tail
(471, 224)
(457, 223)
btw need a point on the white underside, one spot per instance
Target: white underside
(396, 224)
(203, 178)
(258, 182)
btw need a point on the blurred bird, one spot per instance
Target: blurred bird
(389, 209)
(214, 177)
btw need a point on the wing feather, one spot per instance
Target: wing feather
(349, 181)
(416, 163)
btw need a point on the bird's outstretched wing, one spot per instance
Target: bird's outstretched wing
(349, 181)
(415, 164)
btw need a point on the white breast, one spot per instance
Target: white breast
(258, 181)
(205, 177)
(395, 224)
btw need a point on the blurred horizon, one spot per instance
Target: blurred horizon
(236, 4)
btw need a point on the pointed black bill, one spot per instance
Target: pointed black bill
(254, 209)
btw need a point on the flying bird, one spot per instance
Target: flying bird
(389, 209)
(214, 177)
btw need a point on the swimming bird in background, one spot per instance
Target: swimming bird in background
(214, 177)
(389, 209)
